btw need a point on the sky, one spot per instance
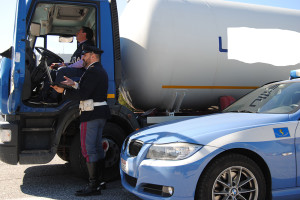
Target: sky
(7, 15)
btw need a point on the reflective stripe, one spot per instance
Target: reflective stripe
(110, 96)
(83, 130)
(103, 103)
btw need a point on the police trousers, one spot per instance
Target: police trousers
(91, 139)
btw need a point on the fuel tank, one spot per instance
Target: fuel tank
(175, 52)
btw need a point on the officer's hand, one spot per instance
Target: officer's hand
(68, 81)
(57, 89)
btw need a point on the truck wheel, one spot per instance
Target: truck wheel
(232, 176)
(77, 161)
(62, 156)
(115, 136)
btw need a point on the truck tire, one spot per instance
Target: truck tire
(115, 136)
(62, 156)
(77, 161)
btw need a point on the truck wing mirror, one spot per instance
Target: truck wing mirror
(7, 53)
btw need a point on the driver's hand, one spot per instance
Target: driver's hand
(68, 81)
(56, 65)
(57, 89)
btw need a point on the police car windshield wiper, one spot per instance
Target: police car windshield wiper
(240, 111)
(245, 111)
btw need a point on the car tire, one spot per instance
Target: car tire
(115, 136)
(246, 179)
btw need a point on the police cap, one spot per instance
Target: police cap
(89, 49)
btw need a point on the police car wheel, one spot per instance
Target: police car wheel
(232, 176)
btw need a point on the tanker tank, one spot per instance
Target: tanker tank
(174, 52)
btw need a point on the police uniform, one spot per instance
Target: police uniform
(93, 85)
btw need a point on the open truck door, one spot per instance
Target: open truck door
(18, 58)
(12, 78)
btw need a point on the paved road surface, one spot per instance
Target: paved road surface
(51, 181)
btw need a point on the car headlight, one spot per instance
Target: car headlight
(172, 151)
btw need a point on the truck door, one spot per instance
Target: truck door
(18, 58)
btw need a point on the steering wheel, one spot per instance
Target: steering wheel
(49, 55)
(39, 72)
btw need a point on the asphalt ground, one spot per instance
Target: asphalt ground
(50, 181)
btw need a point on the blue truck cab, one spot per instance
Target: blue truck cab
(34, 132)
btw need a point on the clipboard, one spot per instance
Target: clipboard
(57, 84)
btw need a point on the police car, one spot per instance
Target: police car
(250, 151)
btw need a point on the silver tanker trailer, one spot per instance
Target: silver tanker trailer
(175, 52)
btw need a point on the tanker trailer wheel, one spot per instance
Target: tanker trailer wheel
(115, 136)
(232, 176)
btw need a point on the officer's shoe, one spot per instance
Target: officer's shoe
(93, 188)
(101, 168)
(103, 185)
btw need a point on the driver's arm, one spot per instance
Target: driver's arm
(78, 64)
(56, 65)
(57, 89)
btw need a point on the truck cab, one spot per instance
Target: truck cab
(34, 132)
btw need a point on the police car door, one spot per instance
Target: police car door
(297, 145)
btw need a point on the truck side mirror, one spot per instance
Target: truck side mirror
(7, 53)
(35, 29)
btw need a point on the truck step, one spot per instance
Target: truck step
(35, 156)
(37, 129)
(35, 151)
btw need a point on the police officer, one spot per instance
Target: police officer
(92, 93)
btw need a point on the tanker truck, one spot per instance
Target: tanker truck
(175, 53)
(174, 60)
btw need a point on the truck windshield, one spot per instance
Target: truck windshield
(64, 50)
(277, 98)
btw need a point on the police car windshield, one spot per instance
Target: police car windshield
(277, 98)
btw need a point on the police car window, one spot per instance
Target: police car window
(274, 98)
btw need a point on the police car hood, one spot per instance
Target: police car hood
(202, 130)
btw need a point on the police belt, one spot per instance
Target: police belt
(88, 105)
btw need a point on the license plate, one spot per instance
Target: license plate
(124, 165)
